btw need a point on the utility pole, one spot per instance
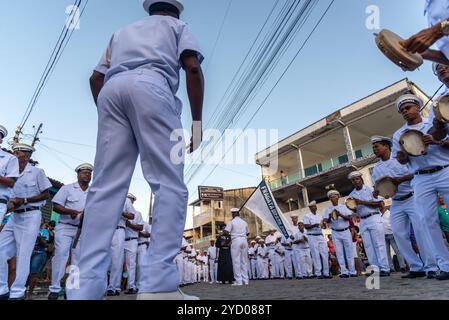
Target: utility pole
(36, 136)
(150, 216)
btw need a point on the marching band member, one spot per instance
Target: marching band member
(280, 254)
(262, 260)
(180, 261)
(213, 265)
(295, 251)
(270, 243)
(301, 242)
(288, 254)
(252, 256)
(143, 245)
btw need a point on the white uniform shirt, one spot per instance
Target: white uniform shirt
(130, 233)
(270, 241)
(238, 228)
(340, 223)
(262, 252)
(252, 252)
(392, 168)
(9, 168)
(146, 228)
(129, 208)
(154, 43)
(298, 236)
(71, 196)
(386, 222)
(287, 242)
(312, 219)
(212, 252)
(365, 194)
(30, 183)
(436, 11)
(436, 155)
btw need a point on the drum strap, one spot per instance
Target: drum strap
(408, 196)
(433, 170)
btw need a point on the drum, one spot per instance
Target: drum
(388, 42)
(412, 143)
(386, 187)
(334, 215)
(351, 204)
(441, 108)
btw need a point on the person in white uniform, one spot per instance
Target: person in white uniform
(238, 229)
(403, 211)
(9, 172)
(280, 258)
(213, 265)
(270, 242)
(118, 248)
(134, 86)
(133, 227)
(301, 244)
(262, 260)
(180, 261)
(338, 217)
(295, 252)
(313, 222)
(252, 256)
(288, 256)
(69, 202)
(143, 245)
(205, 266)
(18, 237)
(431, 177)
(371, 226)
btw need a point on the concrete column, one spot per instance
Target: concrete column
(348, 143)
(301, 165)
(305, 196)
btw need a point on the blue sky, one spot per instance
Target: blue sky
(339, 65)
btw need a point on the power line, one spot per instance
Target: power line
(69, 142)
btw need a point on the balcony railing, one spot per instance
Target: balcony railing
(208, 238)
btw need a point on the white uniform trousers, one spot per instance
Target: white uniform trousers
(263, 267)
(192, 272)
(206, 272)
(254, 272)
(288, 263)
(117, 258)
(344, 251)
(271, 266)
(296, 262)
(142, 252)
(187, 271)
(64, 235)
(17, 239)
(3, 209)
(239, 253)
(137, 114)
(179, 260)
(306, 264)
(373, 236)
(213, 268)
(426, 188)
(402, 214)
(131, 262)
(320, 252)
(280, 266)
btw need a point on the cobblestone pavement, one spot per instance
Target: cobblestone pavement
(390, 288)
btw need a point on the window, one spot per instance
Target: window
(343, 159)
(311, 171)
(358, 154)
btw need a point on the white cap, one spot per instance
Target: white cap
(131, 196)
(354, 174)
(332, 192)
(261, 240)
(148, 3)
(313, 203)
(408, 98)
(294, 215)
(375, 139)
(84, 166)
(234, 210)
(253, 241)
(3, 131)
(258, 237)
(23, 147)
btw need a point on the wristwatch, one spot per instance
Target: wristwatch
(444, 27)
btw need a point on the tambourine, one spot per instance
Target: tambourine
(351, 204)
(411, 142)
(386, 187)
(389, 43)
(441, 109)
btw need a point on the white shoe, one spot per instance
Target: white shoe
(246, 283)
(175, 295)
(236, 284)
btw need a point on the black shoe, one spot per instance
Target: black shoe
(117, 293)
(414, 275)
(328, 277)
(4, 296)
(384, 274)
(320, 277)
(313, 277)
(110, 293)
(353, 276)
(344, 276)
(299, 278)
(131, 291)
(431, 275)
(443, 275)
(403, 270)
(53, 296)
(18, 298)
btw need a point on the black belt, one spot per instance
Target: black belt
(27, 210)
(408, 196)
(73, 225)
(433, 170)
(314, 234)
(142, 243)
(370, 215)
(340, 230)
(129, 239)
(4, 201)
(120, 227)
(288, 249)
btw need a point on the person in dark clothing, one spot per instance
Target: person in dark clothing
(225, 271)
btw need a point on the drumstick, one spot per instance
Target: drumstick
(431, 98)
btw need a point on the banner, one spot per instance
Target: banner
(263, 205)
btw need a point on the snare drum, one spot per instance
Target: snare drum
(351, 204)
(389, 43)
(386, 187)
(411, 142)
(441, 108)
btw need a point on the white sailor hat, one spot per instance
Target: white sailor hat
(376, 139)
(253, 241)
(131, 196)
(23, 147)
(148, 3)
(354, 174)
(408, 98)
(258, 237)
(294, 215)
(332, 192)
(261, 240)
(313, 203)
(84, 166)
(235, 210)
(3, 131)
